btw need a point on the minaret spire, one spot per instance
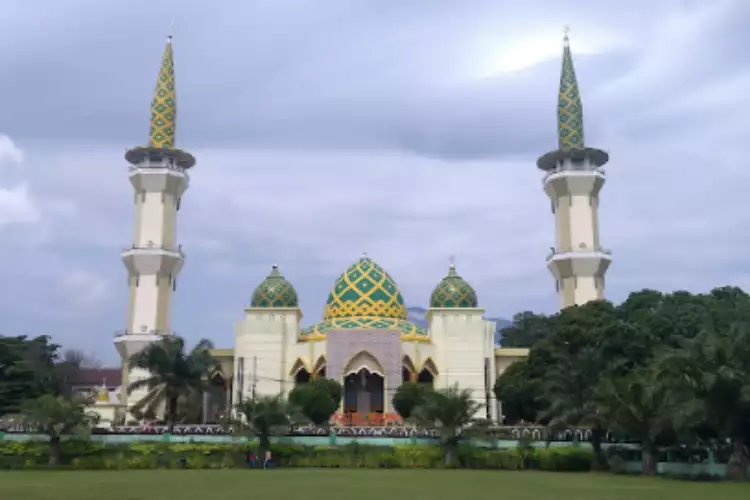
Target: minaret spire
(573, 181)
(164, 103)
(569, 105)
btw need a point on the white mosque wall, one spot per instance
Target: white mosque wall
(465, 353)
(262, 351)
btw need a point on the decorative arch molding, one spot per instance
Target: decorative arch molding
(430, 366)
(319, 364)
(408, 364)
(299, 365)
(364, 359)
(217, 372)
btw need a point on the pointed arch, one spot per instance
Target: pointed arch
(408, 364)
(299, 364)
(430, 366)
(364, 359)
(319, 365)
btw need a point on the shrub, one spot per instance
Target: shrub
(157, 455)
(569, 459)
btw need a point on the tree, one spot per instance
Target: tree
(57, 416)
(715, 370)
(638, 405)
(174, 376)
(409, 397)
(575, 363)
(264, 417)
(526, 329)
(518, 390)
(318, 399)
(449, 411)
(27, 370)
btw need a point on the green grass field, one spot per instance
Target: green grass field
(333, 484)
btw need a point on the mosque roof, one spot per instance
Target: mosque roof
(569, 105)
(364, 296)
(453, 291)
(274, 291)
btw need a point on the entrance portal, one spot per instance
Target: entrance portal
(363, 392)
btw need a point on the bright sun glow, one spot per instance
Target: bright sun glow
(525, 52)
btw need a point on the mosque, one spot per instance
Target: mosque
(365, 339)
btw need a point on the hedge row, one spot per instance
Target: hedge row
(88, 455)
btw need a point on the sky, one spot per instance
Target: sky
(324, 129)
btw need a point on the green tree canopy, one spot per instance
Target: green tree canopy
(27, 371)
(264, 417)
(317, 399)
(408, 398)
(57, 416)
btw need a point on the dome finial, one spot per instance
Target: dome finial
(566, 30)
(452, 262)
(364, 255)
(275, 273)
(171, 31)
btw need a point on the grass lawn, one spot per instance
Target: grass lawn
(339, 484)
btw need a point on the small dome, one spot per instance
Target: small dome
(365, 290)
(453, 291)
(274, 291)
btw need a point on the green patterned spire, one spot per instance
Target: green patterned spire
(164, 105)
(274, 291)
(569, 105)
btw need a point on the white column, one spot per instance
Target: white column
(154, 259)
(577, 261)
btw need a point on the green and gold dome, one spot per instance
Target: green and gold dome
(274, 291)
(453, 291)
(364, 296)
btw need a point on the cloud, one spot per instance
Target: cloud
(408, 130)
(16, 203)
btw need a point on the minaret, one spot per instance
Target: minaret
(158, 173)
(573, 180)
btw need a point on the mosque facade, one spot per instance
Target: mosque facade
(365, 339)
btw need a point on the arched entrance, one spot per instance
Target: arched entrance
(364, 385)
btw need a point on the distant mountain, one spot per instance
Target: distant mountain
(416, 316)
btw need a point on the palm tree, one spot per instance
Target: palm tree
(715, 370)
(449, 411)
(57, 416)
(638, 405)
(175, 377)
(265, 416)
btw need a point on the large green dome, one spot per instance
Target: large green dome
(364, 297)
(453, 291)
(275, 291)
(365, 290)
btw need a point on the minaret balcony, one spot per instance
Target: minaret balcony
(582, 251)
(579, 262)
(153, 259)
(574, 170)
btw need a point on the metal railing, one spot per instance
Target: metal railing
(163, 333)
(167, 163)
(580, 249)
(153, 246)
(575, 167)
